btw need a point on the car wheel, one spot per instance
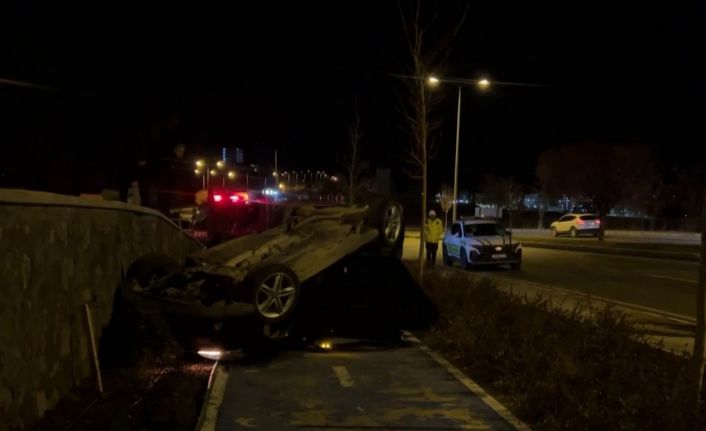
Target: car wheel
(445, 254)
(574, 233)
(554, 232)
(386, 216)
(275, 291)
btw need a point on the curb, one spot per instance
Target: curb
(472, 386)
(212, 400)
(674, 255)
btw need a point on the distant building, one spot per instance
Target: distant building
(531, 201)
(238, 156)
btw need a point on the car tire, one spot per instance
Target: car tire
(554, 232)
(387, 217)
(445, 255)
(269, 286)
(574, 233)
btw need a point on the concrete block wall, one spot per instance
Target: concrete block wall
(58, 253)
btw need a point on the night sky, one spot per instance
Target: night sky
(285, 75)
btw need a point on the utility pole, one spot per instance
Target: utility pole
(276, 171)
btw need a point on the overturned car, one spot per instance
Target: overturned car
(339, 258)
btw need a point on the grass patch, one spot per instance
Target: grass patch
(558, 370)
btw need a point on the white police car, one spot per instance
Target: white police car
(479, 242)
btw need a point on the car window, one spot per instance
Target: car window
(588, 217)
(564, 218)
(456, 229)
(483, 229)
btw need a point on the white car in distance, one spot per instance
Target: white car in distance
(576, 225)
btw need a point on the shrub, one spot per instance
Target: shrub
(580, 370)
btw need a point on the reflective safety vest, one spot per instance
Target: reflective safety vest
(433, 230)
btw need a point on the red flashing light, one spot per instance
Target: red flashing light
(217, 198)
(241, 197)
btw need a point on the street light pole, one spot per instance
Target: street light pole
(458, 135)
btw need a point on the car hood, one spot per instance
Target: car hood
(489, 240)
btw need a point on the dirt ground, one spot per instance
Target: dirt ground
(142, 398)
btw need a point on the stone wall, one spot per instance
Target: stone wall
(58, 253)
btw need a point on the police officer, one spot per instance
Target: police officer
(433, 233)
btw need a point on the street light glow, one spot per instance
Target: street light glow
(433, 81)
(199, 163)
(213, 172)
(213, 354)
(483, 83)
(231, 175)
(220, 164)
(197, 172)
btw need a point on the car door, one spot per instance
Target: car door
(453, 240)
(564, 224)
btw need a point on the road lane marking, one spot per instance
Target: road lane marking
(214, 398)
(667, 277)
(472, 386)
(344, 378)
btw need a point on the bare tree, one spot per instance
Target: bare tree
(418, 103)
(501, 192)
(350, 161)
(446, 201)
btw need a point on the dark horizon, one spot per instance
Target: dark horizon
(283, 76)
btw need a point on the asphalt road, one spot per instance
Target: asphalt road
(353, 389)
(662, 284)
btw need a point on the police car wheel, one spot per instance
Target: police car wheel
(445, 254)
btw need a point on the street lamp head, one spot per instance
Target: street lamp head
(213, 172)
(220, 164)
(197, 171)
(231, 175)
(433, 81)
(483, 83)
(199, 163)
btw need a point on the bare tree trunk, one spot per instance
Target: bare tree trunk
(699, 355)
(424, 157)
(423, 62)
(351, 179)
